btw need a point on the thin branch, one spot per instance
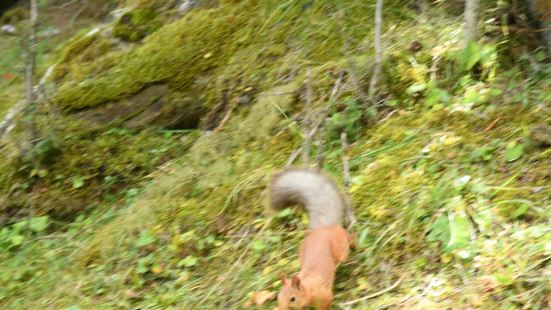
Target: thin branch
(345, 160)
(349, 213)
(307, 120)
(321, 156)
(378, 48)
(293, 156)
(320, 122)
(8, 122)
(225, 118)
(336, 88)
(30, 51)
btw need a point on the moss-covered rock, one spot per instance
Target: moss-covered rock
(136, 24)
(155, 106)
(79, 52)
(14, 15)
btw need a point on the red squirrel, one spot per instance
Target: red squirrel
(326, 244)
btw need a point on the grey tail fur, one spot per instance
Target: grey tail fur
(317, 193)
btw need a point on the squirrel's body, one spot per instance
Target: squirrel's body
(326, 244)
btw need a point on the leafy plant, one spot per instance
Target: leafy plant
(14, 235)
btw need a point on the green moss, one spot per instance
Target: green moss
(418, 175)
(105, 162)
(78, 53)
(257, 48)
(14, 15)
(137, 24)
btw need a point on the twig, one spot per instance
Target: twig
(378, 48)
(83, 7)
(8, 122)
(351, 219)
(30, 93)
(492, 124)
(293, 156)
(30, 51)
(225, 118)
(320, 122)
(307, 121)
(386, 290)
(336, 89)
(387, 116)
(434, 67)
(345, 160)
(320, 157)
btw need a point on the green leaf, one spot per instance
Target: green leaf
(142, 268)
(78, 182)
(17, 240)
(459, 233)
(470, 56)
(391, 102)
(39, 224)
(285, 213)
(258, 245)
(439, 230)
(145, 239)
(514, 153)
(189, 261)
(416, 88)
(73, 307)
(505, 279)
(521, 210)
(362, 239)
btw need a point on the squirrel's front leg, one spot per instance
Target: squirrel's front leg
(324, 301)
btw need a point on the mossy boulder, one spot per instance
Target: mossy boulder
(135, 25)
(14, 15)
(78, 57)
(155, 106)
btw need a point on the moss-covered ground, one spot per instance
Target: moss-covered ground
(450, 172)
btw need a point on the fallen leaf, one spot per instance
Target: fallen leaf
(156, 269)
(260, 298)
(514, 152)
(131, 294)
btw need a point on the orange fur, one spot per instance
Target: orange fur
(323, 249)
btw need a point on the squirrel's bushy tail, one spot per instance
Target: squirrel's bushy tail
(317, 193)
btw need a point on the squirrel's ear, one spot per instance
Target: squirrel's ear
(283, 279)
(296, 282)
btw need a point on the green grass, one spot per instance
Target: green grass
(450, 190)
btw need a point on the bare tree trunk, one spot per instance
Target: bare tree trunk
(378, 48)
(471, 20)
(30, 50)
(30, 92)
(30, 68)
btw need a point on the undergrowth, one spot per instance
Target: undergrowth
(450, 185)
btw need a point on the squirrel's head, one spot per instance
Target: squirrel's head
(293, 294)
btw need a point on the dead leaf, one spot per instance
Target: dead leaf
(260, 298)
(132, 294)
